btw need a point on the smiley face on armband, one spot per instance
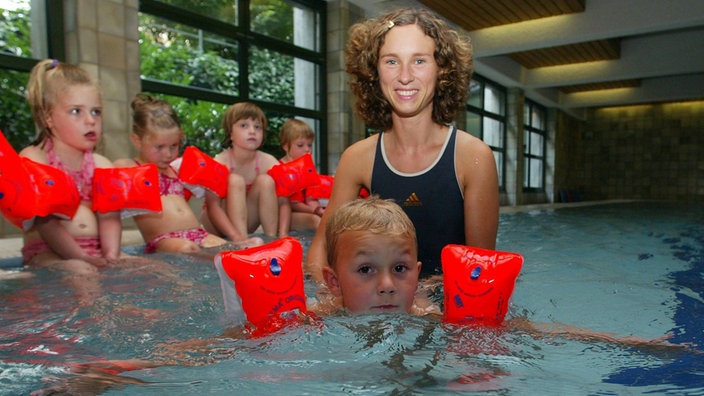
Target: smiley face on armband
(478, 283)
(268, 279)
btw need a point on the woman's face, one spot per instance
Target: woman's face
(407, 70)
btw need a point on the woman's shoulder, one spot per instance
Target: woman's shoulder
(363, 146)
(467, 142)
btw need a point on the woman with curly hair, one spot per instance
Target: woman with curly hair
(410, 72)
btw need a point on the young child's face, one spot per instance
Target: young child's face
(374, 273)
(76, 117)
(159, 147)
(247, 133)
(298, 147)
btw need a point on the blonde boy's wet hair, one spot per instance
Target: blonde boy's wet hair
(294, 129)
(373, 215)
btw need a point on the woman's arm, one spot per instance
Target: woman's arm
(476, 169)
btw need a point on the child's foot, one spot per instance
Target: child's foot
(248, 243)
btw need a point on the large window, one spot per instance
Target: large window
(486, 119)
(21, 43)
(534, 127)
(206, 55)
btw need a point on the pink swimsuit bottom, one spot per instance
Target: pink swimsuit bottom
(90, 245)
(194, 235)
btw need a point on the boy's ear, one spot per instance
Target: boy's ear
(331, 281)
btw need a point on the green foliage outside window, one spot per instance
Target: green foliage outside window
(15, 117)
(180, 55)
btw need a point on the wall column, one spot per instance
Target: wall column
(344, 128)
(102, 37)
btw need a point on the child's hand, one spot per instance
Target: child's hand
(99, 262)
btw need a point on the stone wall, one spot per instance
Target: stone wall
(653, 152)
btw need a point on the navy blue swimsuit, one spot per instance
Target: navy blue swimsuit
(431, 198)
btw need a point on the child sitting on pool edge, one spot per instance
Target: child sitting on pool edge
(157, 135)
(296, 138)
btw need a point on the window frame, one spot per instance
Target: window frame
(246, 39)
(502, 119)
(531, 108)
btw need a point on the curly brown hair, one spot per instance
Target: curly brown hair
(453, 55)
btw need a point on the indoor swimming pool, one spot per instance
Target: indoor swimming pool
(630, 269)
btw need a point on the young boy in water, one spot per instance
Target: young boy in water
(373, 256)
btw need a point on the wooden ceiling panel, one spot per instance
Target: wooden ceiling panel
(600, 86)
(566, 54)
(480, 14)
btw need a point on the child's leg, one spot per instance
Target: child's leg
(236, 204)
(304, 221)
(263, 205)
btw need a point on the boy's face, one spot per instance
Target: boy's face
(374, 273)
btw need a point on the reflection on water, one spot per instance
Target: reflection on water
(628, 269)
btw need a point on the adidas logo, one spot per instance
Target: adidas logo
(412, 200)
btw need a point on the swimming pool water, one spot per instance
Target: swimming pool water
(632, 269)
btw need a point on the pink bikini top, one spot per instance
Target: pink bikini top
(169, 185)
(82, 177)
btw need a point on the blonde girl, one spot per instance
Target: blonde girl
(296, 138)
(251, 199)
(67, 108)
(157, 135)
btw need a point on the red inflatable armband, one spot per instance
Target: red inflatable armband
(323, 189)
(133, 190)
(298, 196)
(266, 282)
(32, 189)
(478, 283)
(363, 193)
(294, 176)
(198, 169)
(8, 155)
